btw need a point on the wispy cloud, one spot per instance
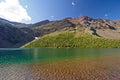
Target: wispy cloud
(73, 3)
(13, 10)
(52, 17)
(106, 15)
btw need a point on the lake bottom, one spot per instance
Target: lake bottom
(105, 67)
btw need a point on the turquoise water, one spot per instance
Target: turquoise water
(17, 55)
(59, 64)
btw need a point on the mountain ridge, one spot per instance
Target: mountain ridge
(103, 28)
(101, 33)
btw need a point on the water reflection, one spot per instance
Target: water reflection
(33, 55)
(36, 51)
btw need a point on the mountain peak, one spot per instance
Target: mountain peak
(68, 18)
(83, 18)
(41, 23)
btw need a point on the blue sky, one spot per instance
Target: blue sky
(38, 10)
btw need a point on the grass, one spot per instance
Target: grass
(75, 39)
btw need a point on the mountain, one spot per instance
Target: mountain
(52, 27)
(78, 32)
(72, 39)
(17, 24)
(68, 32)
(21, 25)
(99, 27)
(40, 23)
(11, 36)
(14, 34)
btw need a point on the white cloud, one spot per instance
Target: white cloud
(73, 3)
(106, 15)
(52, 17)
(12, 10)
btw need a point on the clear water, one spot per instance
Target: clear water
(41, 64)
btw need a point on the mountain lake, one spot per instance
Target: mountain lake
(59, 64)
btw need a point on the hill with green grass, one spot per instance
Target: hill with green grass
(81, 32)
(74, 39)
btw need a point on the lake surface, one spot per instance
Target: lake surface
(59, 64)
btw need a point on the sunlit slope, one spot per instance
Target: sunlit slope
(76, 38)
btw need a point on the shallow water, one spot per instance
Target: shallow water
(59, 64)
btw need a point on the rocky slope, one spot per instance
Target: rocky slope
(99, 27)
(106, 31)
(13, 34)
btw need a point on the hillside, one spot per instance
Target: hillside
(13, 34)
(91, 33)
(76, 38)
(100, 27)
(52, 27)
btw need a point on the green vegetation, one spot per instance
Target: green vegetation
(78, 39)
